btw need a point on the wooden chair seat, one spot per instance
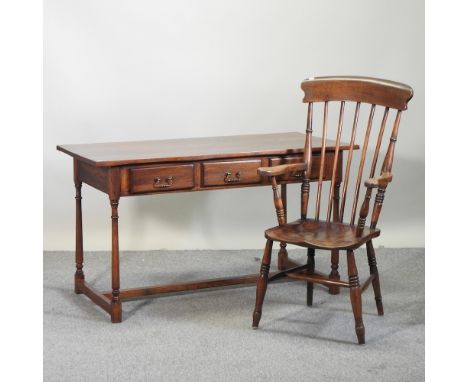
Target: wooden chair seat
(311, 233)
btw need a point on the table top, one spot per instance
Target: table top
(188, 149)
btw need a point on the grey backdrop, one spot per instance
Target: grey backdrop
(126, 70)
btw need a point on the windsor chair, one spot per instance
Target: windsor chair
(337, 234)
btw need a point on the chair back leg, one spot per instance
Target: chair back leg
(310, 270)
(262, 283)
(375, 272)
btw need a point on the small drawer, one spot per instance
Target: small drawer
(288, 160)
(327, 170)
(161, 178)
(231, 172)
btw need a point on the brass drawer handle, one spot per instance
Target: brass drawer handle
(169, 182)
(228, 179)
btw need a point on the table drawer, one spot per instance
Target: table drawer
(288, 160)
(225, 173)
(161, 178)
(327, 170)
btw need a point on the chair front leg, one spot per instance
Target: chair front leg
(262, 283)
(355, 295)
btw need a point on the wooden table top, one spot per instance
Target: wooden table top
(188, 149)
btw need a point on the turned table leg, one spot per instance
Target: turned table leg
(79, 275)
(116, 304)
(283, 253)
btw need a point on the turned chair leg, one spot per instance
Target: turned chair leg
(262, 283)
(334, 274)
(355, 295)
(282, 257)
(310, 270)
(376, 281)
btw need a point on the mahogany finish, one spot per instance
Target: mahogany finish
(328, 229)
(188, 149)
(185, 165)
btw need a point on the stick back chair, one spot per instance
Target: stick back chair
(338, 233)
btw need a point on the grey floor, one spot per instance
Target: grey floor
(206, 336)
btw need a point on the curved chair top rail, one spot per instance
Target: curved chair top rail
(359, 89)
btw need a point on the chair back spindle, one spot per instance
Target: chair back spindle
(348, 162)
(322, 161)
(368, 195)
(280, 213)
(335, 161)
(386, 168)
(361, 164)
(308, 160)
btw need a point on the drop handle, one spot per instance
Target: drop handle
(169, 181)
(229, 179)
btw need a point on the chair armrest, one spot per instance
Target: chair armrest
(281, 169)
(380, 181)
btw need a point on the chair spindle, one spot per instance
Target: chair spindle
(379, 142)
(305, 187)
(361, 164)
(278, 202)
(386, 168)
(335, 160)
(348, 162)
(365, 205)
(322, 161)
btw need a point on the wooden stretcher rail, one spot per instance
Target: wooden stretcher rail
(97, 297)
(367, 283)
(315, 278)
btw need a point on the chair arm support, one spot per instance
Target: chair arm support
(381, 181)
(281, 169)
